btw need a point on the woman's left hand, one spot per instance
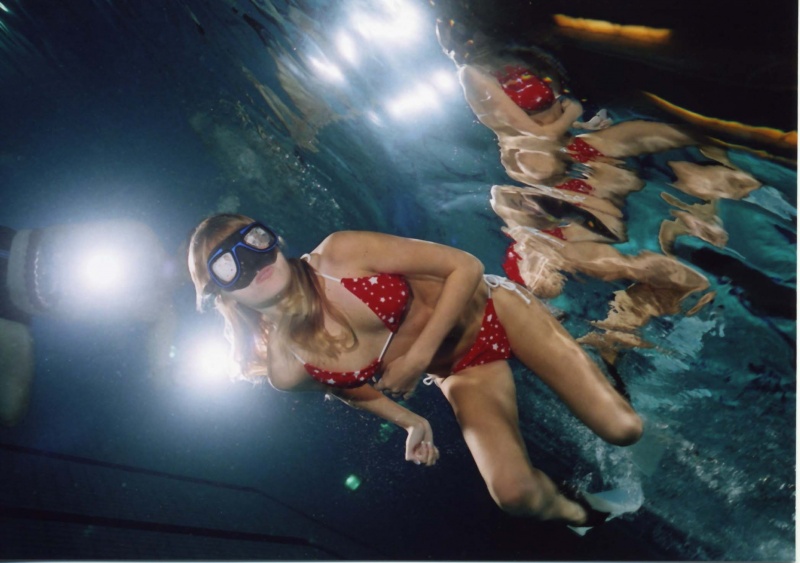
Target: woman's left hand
(419, 444)
(400, 377)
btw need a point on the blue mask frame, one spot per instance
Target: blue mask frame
(248, 259)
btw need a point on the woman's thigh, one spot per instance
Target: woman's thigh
(484, 401)
(540, 342)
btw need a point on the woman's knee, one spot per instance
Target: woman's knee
(520, 497)
(623, 430)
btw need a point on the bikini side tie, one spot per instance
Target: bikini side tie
(494, 282)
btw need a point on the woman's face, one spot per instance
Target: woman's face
(267, 287)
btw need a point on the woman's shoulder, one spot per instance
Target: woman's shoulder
(345, 246)
(345, 238)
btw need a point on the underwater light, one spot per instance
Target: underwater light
(400, 25)
(210, 362)
(422, 98)
(352, 482)
(347, 48)
(102, 270)
(327, 71)
(3, 7)
(640, 33)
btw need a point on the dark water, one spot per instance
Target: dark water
(165, 113)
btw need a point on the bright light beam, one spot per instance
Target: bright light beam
(347, 48)
(445, 81)
(327, 71)
(422, 98)
(400, 26)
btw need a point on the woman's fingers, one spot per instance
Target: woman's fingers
(427, 453)
(419, 445)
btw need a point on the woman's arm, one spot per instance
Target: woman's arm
(286, 374)
(419, 442)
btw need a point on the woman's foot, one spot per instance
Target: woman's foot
(591, 516)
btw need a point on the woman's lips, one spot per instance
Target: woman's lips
(264, 274)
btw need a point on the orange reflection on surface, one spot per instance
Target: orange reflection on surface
(766, 135)
(638, 32)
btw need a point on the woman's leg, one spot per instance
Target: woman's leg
(540, 342)
(485, 403)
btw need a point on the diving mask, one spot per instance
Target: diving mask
(236, 260)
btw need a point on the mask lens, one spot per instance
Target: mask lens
(259, 239)
(224, 268)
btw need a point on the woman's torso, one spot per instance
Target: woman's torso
(372, 332)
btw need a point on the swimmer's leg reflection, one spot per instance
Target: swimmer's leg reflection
(633, 138)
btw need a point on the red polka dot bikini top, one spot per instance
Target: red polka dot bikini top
(387, 295)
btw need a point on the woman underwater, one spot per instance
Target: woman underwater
(364, 305)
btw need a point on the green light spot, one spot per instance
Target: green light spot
(385, 432)
(352, 482)
(3, 7)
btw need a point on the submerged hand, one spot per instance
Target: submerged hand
(599, 121)
(419, 444)
(401, 376)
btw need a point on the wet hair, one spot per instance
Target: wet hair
(303, 307)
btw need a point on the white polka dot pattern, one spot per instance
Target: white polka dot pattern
(386, 294)
(490, 346)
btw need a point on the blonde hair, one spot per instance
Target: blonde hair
(303, 307)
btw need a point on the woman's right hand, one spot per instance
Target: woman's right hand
(419, 443)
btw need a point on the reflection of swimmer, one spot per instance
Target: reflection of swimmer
(544, 259)
(567, 216)
(711, 182)
(366, 304)
(662, 283)
(631, 309)
(535, 140)
(90, 272)
(699, 220)
(533, 120)
(603, 180)
(545, 252)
